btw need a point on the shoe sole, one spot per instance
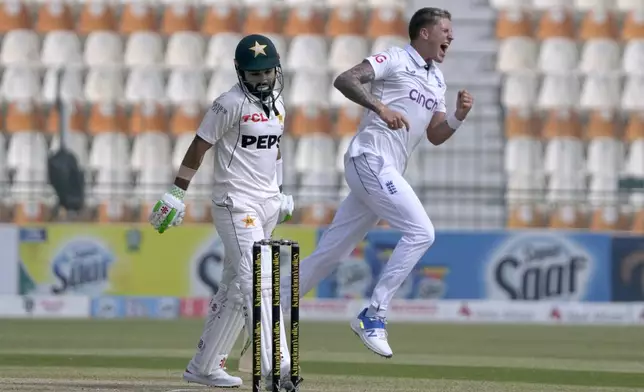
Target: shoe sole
(215, 386)
(358, 334)
(212, 386)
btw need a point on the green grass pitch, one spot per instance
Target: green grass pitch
(149, 355)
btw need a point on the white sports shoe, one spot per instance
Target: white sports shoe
(373, 333)
(219, 378)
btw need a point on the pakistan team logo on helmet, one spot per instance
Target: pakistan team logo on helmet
(258, 67)
(256, 52)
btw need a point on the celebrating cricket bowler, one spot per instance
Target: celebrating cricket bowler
(244, 125)
(406, 104)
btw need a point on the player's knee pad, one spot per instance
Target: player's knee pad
(223, 325)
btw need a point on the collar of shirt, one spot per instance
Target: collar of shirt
(418, 58)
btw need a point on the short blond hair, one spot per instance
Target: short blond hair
(427, 16)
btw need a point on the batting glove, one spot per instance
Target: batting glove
(286, 207)
(169, 211)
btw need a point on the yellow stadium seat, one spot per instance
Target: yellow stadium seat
(77, 120)
(345, 21)
(304, 20)
(633, 25)
(30, 212)
(602, 123)
(148, 117)
(178, 16)
(23, 116)
(567, 217)
(96, 16)
(220, 18)
(262, 19)
(106, 117)
(637, 225)
(308, 119)
(598, 24)
(137, 16)
(54, 15)
(635, 127)
(14, 15)
(562, 123)
(513, 23)
(525, 216)
(348, 119)
(556, 23)
(185, 119)
(386, 21)
(520, 122)
(609, 218)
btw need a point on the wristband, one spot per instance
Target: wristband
(453, 122)
(186, 173)
(279, 171)
(177, 192)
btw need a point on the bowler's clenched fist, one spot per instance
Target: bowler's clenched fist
(464, 103)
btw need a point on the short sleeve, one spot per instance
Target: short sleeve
(441, 107)
(383, 63)
(221, 116)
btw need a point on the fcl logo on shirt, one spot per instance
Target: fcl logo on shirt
(255, 117)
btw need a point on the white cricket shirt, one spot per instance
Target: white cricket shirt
(403, 84)
(246, 143)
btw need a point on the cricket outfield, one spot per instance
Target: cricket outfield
(149, 355)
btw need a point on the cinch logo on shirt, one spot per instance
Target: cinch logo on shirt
(422, 100)
(262, 142)
(255, 117)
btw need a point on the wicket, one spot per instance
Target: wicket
(275, 247)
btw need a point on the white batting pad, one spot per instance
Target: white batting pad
(222, 327)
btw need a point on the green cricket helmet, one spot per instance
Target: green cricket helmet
(256, 53)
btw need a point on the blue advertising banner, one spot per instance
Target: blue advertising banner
(534, 265)
(135, 307)
(628, 269)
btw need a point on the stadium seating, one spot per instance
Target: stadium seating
(574, 68)
(137, 76)
(558, 121)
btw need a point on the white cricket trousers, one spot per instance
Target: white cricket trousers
(378, 191)
(240, 223)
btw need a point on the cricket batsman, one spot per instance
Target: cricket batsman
(406, 104)
(244, 126)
